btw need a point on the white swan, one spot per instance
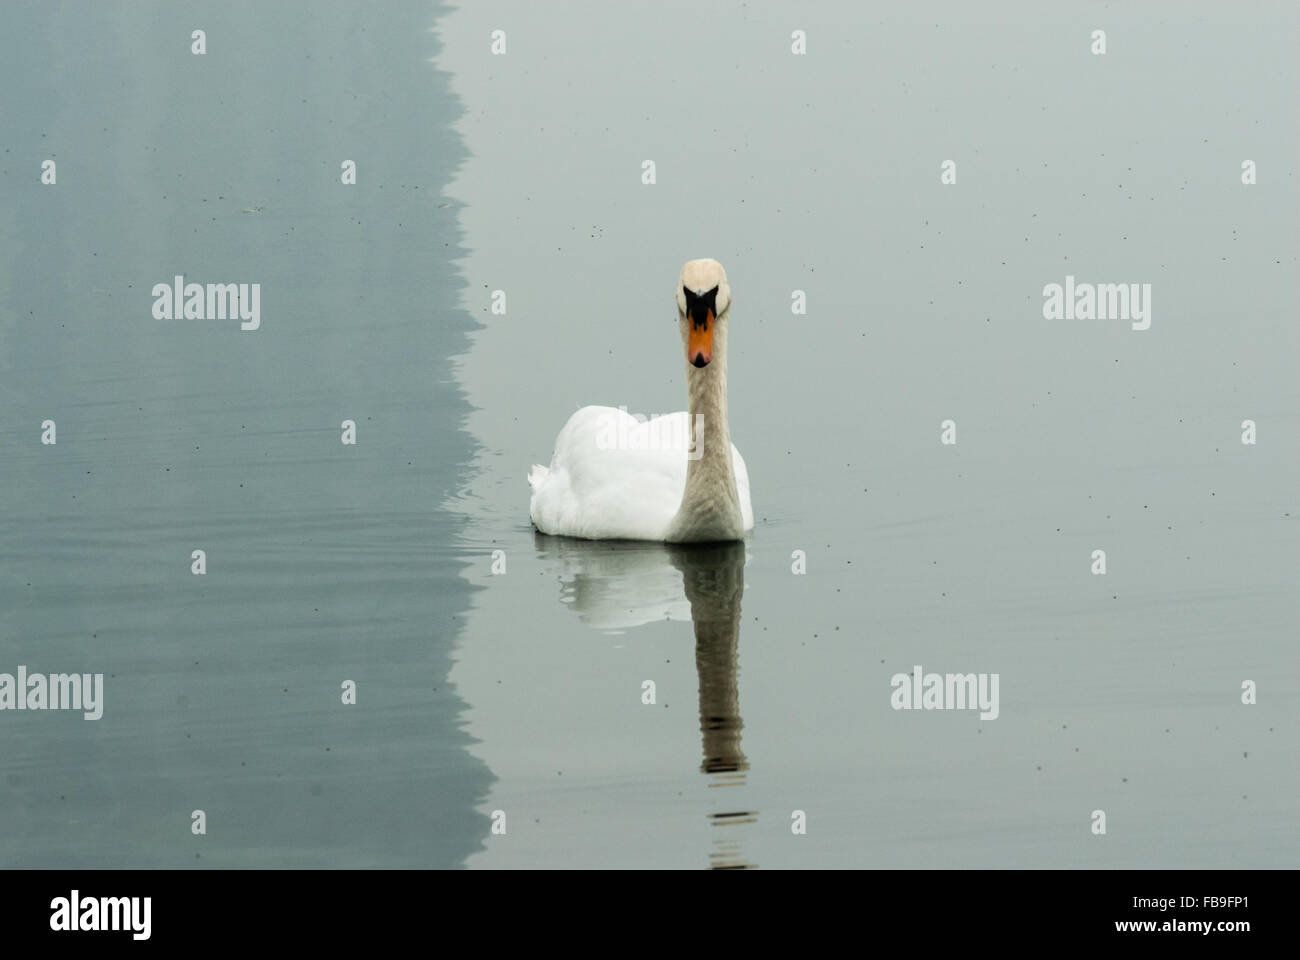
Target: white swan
(675, 478)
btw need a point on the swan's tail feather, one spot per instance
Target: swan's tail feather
(537, 475)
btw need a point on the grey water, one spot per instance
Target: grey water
(528, 701)
(325, 562)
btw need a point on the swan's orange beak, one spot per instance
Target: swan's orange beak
(699, 342)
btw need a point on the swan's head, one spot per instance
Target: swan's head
(703, 299)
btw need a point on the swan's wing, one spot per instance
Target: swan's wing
(742, 488)
(612, 476)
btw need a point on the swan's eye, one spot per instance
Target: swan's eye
(700, 306)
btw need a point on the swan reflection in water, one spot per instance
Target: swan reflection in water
(618, 584)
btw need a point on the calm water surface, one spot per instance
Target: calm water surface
(325, 562)
(517, 696)
(821, 173)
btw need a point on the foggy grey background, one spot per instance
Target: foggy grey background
(820, 173)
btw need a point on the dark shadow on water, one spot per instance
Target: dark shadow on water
(326, 563)
(624, 584)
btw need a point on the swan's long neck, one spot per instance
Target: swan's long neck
(710, 508)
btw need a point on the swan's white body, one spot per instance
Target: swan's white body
(676, 478)
(622, 491)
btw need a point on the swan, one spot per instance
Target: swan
(676, 478)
